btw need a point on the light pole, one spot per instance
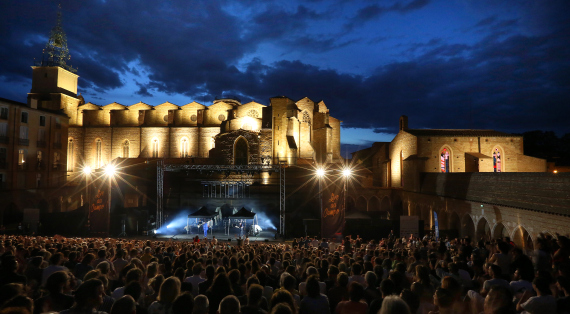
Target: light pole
(346, 173)
(320, 175)
(110, 172)
(87, 173)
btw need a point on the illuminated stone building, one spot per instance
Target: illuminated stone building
(226, 132)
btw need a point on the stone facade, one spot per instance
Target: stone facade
(100, 134)
(470, 198)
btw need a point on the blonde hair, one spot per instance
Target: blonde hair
(169, 290)
(394, 304)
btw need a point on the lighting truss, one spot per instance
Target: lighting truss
(161, 167)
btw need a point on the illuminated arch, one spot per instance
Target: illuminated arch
(155, 145)
(126, 149)
(483, 230)
(241, 151)
(70, 155)
(445, 156)
(498, 154)
(373, 204)
(184, 147)
(500, 231)
(98, 153)
(361, 204)
(522, 238)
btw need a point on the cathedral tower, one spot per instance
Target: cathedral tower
(54, 83)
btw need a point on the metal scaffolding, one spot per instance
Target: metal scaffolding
(282, 198)
(159, 192)
(161, 167)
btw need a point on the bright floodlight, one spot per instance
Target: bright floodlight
(320, 172)
(87, 170)
(346, 172)
(110, 170)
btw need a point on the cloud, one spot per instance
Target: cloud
(143, 90)
(373, 11)
(508, 80)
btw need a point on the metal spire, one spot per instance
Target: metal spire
(56, 51)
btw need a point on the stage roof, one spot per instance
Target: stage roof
(201, 213)
(243, 214)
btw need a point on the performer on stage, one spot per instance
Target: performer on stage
(205, 226)
(240, 229)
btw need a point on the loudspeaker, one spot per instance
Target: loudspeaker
(266, 240)
(230, 240)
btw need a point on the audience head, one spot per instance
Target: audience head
(183, 304)
(169, 290)
(356, 292)
(89, 295)
(201, 304)
(229, 305)
(394, 304)
(125, 304)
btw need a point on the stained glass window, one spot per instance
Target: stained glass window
(444, 160)
(497, 160)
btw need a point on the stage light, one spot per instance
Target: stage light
(110, 170)
(320, 172)
(346, 172)
(87, 170)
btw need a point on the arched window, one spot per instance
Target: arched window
(70, 154)
(497, 160)
(241, 154)
(401, 168)
(184, 145)
(155, 148)
(126, 145)
(444, 158)
(306, 117)
(98, 153)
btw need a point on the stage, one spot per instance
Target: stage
(263, 236)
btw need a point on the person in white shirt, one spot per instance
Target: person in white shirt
(119, 262)
(543, 302)
(134, 274)
(357, 275)
(519, 285)
(195, 279)
(315, 242)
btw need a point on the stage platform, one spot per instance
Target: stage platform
(263, 236)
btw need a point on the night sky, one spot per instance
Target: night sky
(502, 65)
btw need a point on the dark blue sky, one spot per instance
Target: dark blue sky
(501, 65)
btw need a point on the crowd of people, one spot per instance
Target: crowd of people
(305, 276)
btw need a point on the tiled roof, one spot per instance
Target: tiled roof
(462, 132)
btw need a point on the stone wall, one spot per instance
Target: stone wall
(531, 164)
(545, 192)
(224, 151)
(431, 146)
(403, 146)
